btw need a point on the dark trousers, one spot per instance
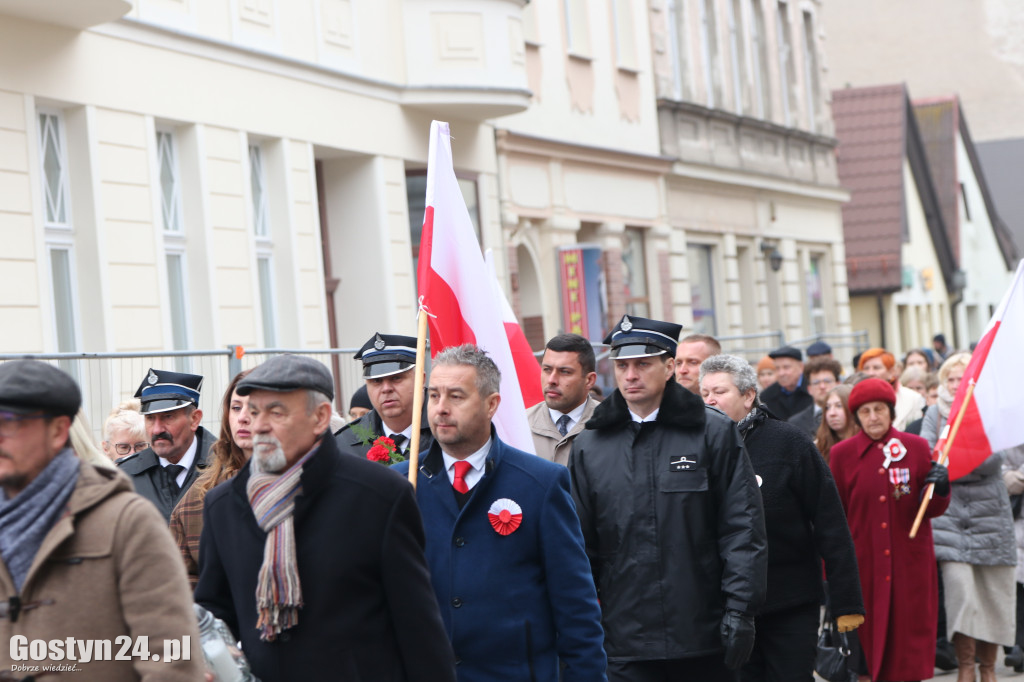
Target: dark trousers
(704, 669)
(1020, 615)
(784, 646)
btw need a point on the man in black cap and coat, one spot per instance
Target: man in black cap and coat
(178, 445)
(672, 519)
(313, 558)
(787, 395)
(389, 362)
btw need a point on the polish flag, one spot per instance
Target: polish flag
(454, 286)
(992, 419)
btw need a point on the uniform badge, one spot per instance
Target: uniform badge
(625, 325)
(505, 516)
(900, 478)
(894, 451)
(681, 463)
(152, 378)
(379, 342)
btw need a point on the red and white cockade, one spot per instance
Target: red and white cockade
(505, 515)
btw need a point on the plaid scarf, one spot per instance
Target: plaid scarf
(278, 591)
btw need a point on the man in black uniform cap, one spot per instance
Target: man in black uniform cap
(178, 444)
(388, 367)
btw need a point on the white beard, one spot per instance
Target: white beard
(265, 460)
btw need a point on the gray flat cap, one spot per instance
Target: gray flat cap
(30, 386)
(288, 373)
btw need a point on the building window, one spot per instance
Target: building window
(577, 35)
(738, 58)
(63, 299)
(702, 289)
(178, 298)
(55, 169)
(266, 283)
(811, 71)
(787, 70)
(634, 273)
(170, 189)
(625, 34)
(759, 58)
(816, 295)
(711, 55)
(680, 43)
(258, 181)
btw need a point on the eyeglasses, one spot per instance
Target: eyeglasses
(819, 382)
(10, 423)
(128, 448)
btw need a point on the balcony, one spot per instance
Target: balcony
(465, 59)
(76, 14)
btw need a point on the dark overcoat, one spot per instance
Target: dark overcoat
(673, 524)
(897, 574)
(150, 481)
(786, 404)
(369, 612)
(513, 604)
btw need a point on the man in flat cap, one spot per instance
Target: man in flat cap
(82, 557)
(787, 395)
(389, 362)
(819, 349)
(672, 519)
(178, 445)
(315, 559)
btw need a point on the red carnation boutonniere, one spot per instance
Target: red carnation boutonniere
(505, 516)
(384, 451)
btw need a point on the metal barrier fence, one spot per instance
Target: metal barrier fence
(107, 379)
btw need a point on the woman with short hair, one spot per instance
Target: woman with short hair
(975, 547)
(805, 523)
(882, 474)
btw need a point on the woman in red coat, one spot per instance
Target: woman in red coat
(881, 475)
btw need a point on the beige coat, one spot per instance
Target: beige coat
(108, 568)
(549, 443)
(909, 407)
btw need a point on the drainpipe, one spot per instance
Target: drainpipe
(881, 318)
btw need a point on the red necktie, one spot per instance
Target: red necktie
(461, 469)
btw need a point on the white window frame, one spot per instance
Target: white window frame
(712, 262)
(166, 142)
(177, 250)
(268, 306)
(64, 185)
(737, 42)
(813, 87)
(757, 54)
(622, 23)
(707, 35)
(681, 65)
(784, 35)
(260, 204)
(577, 9)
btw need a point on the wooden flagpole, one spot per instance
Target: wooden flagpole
(943, 459)
(417, 398)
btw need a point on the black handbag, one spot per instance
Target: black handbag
(833, 653)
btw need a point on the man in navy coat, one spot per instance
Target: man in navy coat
(504, 543)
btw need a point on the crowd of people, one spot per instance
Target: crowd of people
(691, 525)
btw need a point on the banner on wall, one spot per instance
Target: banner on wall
(581, 279)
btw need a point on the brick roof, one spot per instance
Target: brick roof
(877, 133)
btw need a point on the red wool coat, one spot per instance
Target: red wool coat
(897, 574)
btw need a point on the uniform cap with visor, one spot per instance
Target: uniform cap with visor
(387, 354)
(163, 391)
(639, 337)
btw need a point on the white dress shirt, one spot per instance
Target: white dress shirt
(476, 461)
(574, 416)
(185, 461)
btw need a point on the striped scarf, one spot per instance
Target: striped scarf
(278, 592)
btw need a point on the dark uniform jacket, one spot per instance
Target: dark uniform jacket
(350, 439)
(785, 405)
(369, 613)
(673, 524)
(807, 420)
(515, 604)
(804, 519)
(150, 481)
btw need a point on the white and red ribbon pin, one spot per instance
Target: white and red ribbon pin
(505, 515)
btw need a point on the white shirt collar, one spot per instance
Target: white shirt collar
(649, 418)
(476, 461)
(574, 416)
(185, 461)
(407, 433)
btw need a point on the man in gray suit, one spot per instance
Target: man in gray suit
(567, 373)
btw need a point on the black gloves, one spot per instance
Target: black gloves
(738, 638)
(939, 475)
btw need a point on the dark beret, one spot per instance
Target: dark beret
(787, 352)
(29, 386)
(288, 373)
(818, 348)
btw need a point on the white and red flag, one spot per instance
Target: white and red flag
(455, 287)
(992, 418)
(527, 367)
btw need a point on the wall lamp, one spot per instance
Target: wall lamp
(773, 255)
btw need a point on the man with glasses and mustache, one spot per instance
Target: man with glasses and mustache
(82, 558)
(178, 444)
(315, 558)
